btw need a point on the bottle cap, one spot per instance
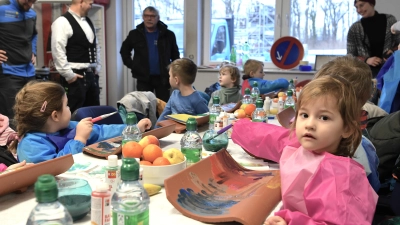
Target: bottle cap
(259, 103)
(291, 81)
(112, 160)
(289, 93)
(191, 124)
(280, 99)
(247, 91)
(255, 84)
(215, 100)
(102, 187)
(46, 189)
(131, 118)
(129, 169)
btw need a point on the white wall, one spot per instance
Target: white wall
(389, 7)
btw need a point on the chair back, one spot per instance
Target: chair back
(95, 111)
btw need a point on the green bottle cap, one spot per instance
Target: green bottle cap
(289, 93)
(46, 189)
(259, 103)
(247, 91)
(255, 84)
(215, 100)
(129, 169)
(291, 81)
(191, 124)
(131, 118)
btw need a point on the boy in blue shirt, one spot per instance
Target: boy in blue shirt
(185, 99)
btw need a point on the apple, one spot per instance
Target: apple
(149, 139)
(174, 155)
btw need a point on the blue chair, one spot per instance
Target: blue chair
(95, 111)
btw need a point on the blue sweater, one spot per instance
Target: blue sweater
(37, 147)
(192, 104)
(18, 38)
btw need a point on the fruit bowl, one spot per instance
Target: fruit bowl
(157, 174)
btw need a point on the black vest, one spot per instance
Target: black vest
(79, 49)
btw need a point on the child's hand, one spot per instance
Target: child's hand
(3, 123)
(18, 165)
(275, 220)
(144, 124)
(83, 130)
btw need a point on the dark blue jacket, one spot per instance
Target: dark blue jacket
(18, 38)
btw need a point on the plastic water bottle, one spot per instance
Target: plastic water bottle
(247, 97)
(246, 52)
(291, 86)
(255, 92)
(131, 131)
(48, 210)
(233, 54)
(215, 110)
(259, 115)
(112, 174)
(289, 100)
(130, 203)
(191, 143)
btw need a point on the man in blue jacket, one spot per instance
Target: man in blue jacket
(18, 50)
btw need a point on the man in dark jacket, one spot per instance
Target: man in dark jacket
(154, 49)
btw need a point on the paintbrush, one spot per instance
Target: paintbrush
(102, 117)
(223, 130)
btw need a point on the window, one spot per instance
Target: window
(171, 13)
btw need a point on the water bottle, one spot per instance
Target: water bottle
(48, 210)
(191, 143)
(289, 100)
(130, 202)
(215, 110)
(255, 92)
(233, 55)
(259, 115)
(247, 97)
(246, 52)
(291, 86)
(131, 131)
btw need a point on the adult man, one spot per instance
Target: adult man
(76, 55)
(18, 50)
(154, 49)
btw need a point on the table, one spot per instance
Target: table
(15, 208)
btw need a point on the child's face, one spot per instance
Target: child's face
(225, 79)
(172, 80)
(65, 115)
(259, 73)
(319, 125)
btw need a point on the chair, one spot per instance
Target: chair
(95, 111)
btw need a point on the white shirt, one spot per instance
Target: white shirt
(61, 31)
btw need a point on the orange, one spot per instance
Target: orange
(152, 152)
(249, 109)
(132, 149)
(239, 113)
(161, 161)
(146, 163)
(149, 139)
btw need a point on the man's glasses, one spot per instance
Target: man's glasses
(149, 16)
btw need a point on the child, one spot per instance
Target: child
(318, 178)
(44, 126)
(359, 75)
(229, 79)
(184, 100)
(254, 71)
(7, 135)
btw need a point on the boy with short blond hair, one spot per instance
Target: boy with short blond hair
(185, 99)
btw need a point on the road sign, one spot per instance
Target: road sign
(287, 52)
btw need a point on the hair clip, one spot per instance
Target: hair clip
(43, 106)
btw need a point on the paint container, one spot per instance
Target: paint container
(113, 174)
(100, 213)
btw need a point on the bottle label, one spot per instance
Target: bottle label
(193, 155)
(127, 219)
(100, 210)
(113, 178)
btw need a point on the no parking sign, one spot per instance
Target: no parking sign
(287, 52)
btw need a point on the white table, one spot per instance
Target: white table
(15, 208)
